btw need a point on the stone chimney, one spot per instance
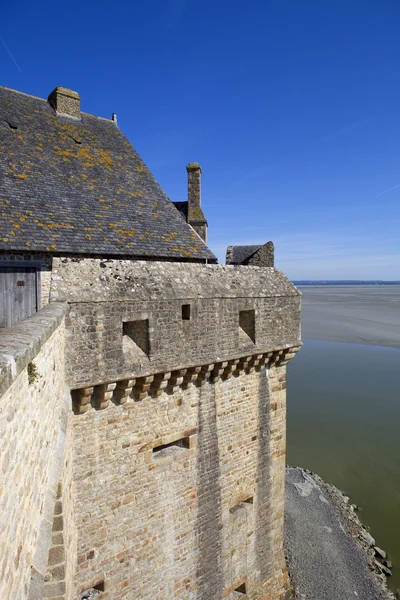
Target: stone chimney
(66, 103)
(194, 182)
(195, 216)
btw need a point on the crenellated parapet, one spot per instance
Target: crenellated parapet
(135, 390)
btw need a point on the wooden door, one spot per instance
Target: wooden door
(18, 294)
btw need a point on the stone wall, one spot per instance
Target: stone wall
(107, 298)
(263, 257)
(192, 519)
(59, 580)
(178, 378)
(166, 480)
(34, 413)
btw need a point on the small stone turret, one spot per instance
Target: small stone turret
(196, 216)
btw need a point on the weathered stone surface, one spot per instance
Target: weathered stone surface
(97, 280)
(33, 414)
(379, 552)
(183, 516)
(122, 291)
(20, 344)
(167, 479)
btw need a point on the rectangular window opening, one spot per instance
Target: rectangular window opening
(135, 337)
(242, 504)
(169, 449)
(89, 593)
(247, 326)
(186, 312)
(249, 500)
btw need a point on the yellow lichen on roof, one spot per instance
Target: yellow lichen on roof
(88, 173)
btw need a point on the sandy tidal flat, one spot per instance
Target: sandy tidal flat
(365, 314)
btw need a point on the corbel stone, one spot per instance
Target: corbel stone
(103, 394)
(217, 371)
(190, 377)
(263, 361)
(275, 358)
(176, 380)
(254, 362)
(269, 359)
(230, 368)
(288, 355)
(244, 363)
(123, 390)
(204, 374)
(161, 380)
(142, 387)
(81, 399)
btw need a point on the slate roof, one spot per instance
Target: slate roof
(70, 186)
(241, 253)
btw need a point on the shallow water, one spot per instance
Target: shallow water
(344, 424)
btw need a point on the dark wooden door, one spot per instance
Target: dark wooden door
(18, 294)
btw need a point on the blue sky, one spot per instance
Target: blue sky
(292, 108)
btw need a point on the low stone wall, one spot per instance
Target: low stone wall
(34, 416)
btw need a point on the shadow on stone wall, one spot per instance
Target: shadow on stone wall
(263, 550)
(209, 519)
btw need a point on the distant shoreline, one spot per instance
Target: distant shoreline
(350, 313)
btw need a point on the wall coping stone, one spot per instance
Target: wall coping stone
(20, 343)
(97, 280)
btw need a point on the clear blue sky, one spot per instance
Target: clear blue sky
(292, 108)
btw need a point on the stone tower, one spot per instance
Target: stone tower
(142, 388)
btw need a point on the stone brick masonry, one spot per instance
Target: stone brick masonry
(179, 444)
(185, 522)
(166, 479)
(34, 417)
(104, 295)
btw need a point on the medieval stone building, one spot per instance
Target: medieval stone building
(142, 386)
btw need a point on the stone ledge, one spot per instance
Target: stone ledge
(21, 343)
(192, 371)
(109, 280)
(136, 389)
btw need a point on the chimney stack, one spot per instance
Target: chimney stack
(66, 103)
(195, 216)
(194, 182)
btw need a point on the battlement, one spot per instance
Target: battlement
(139, 319)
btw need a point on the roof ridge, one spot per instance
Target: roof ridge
(3, 87)
(97, 117)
